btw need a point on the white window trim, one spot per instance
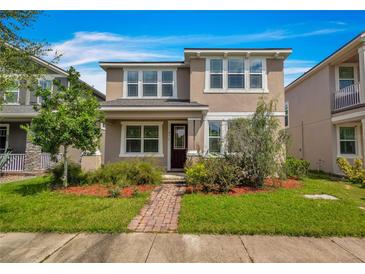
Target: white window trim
(140, 83)
(286, 107)
(337, 73)
(357, 141)
(7, 135)
(16, 90)
(49, 78)
(247, 88)
(123, 142)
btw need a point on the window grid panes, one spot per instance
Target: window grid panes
(236, 73)
(216, 73)
(256, 73)
(142, 138)
(346, 76)
(214, 136)
(11, 96)
(179, 137)
(347, 140)
(167, 83)
(3, 138)
(150, 83)
(132, 83)
(286, 114)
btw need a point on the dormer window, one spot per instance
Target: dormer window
(150, 84)
(235, 75)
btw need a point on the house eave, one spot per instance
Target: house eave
(146, 108)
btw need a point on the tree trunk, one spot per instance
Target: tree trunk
(65, 167)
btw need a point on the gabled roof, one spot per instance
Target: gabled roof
(353, 42)
(63, 72)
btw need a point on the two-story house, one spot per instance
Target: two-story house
(326, 109)
(18, 110)
(171, 110)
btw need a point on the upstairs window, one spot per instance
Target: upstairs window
(256, 73)
(150, 83)
(346, 76)
(216, 73)
(44, 84)
(236, 73)
(11, 96)
(167, 83)
(132, 83)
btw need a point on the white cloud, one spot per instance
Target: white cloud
(295, 68)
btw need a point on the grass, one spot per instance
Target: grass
(283, 211)
(30, 206)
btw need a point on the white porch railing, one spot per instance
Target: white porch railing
(14, 163)
(46, 161)
(346, 97)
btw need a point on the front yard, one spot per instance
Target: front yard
(30, 206)
(283, 211)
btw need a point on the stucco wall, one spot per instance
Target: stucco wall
(310, 123)
(236, 102)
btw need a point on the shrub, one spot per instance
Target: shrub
(212, 175)
(257, 145)
(75, 175)
(355, 173)
(295, 167)
(114, 192)
(125, 173)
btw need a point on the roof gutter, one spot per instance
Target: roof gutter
(146, 108)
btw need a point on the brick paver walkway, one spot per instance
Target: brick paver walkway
(162, 212)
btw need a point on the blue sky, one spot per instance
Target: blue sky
(86, 37)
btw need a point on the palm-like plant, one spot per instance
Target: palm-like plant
(4, 159)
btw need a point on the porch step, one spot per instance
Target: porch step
(173, 178)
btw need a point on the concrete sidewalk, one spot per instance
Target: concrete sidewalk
(148, 247)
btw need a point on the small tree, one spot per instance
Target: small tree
(69, 116)
(257, 144)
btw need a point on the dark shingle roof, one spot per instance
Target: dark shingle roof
(151, 103)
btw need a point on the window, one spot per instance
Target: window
(236, 73)
(256, 73)
(179, 137)
(286, 114)
(11, 96)
(4, 132)
(347, 140)
(150, 83)
(140, 138)
(132, 83)
(167, 83)
(216, 73)
(214, 137)
(44, 84)
(346, 76)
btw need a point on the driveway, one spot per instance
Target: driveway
(173, 248)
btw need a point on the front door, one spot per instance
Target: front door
(179, 144)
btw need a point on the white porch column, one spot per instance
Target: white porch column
(363, 140)
(362, 72)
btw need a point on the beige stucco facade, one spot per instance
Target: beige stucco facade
(194, 105)
(318, 109)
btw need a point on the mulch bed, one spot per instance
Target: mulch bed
(102, 190)
(269, 185)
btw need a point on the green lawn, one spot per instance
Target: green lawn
(30, 206)
(283, 211)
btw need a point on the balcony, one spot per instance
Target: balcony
(346, 97)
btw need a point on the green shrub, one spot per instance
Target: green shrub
(75, 176)
(114, 192)
(295, 167)
(355, 173)
(212, 175)
(125, 173)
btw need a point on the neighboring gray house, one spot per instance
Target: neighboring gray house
(18, 110)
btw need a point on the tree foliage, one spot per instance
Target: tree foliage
(257, 144)
(69, 116)
(17, 63)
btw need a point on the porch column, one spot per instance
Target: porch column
(362, 72)
(363, 140)
(191, 135)
(32, 161)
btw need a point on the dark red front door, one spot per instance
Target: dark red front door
(179, 143)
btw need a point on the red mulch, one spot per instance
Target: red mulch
(269, 185)
(102, 190)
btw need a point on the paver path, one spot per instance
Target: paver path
(162, 212)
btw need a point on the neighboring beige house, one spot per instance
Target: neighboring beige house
(174, 110)
(18, 110)
(326, 109)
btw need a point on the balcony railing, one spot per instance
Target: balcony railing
(346, 97)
